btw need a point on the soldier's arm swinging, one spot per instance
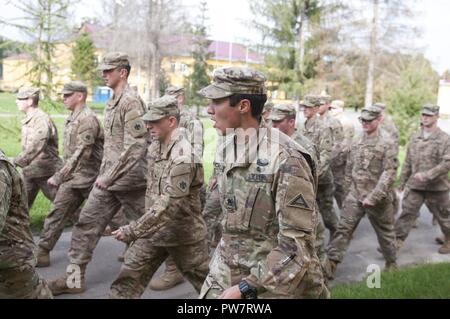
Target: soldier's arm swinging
(443, 167)
(135, 144)
(86, 136)
(406, 169)
(166, 205)
(5, 195)
(39, 141)
(387, 178)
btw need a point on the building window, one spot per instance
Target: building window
(183, 67)
(173, 67)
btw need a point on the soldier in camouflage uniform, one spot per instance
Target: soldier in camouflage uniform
(173, 224)
(83, 152)
(121, 181)
(339, 156)
(390, 128)
(283, 117)
(18, 276)
(388, 124)
(267, 186)
(39, 159)
(337, 134)
(425, 178)
(194, 127)
(320, 134)
(370, 175)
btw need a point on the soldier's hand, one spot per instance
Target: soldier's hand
(101, 184)
(119, 234)
(212, 184)
(367, 203)
(231, 293)
(420, 177)
(52, 182)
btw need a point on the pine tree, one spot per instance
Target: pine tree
(84, 61)
(199, 77)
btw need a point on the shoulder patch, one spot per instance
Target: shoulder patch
(299, 202)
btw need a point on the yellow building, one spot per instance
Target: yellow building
(177, 62)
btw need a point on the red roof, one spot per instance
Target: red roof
(183, 45)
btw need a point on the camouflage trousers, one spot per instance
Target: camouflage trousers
(100, 208)
(212, 213)
(66, 204)
(34, 185)
(23, 283)
(437, 202)
(380, 216)
(223, 275)
(339, 177)
(325, 201)
(320, 246)
(143, 259)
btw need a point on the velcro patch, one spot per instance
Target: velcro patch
(260, 178)
(299, 202)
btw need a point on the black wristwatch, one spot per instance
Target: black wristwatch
(247, 291)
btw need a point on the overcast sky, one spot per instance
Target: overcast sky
(227, 17)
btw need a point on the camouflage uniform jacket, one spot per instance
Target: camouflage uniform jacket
(83, 149)
(124, 166)
(337, 133)
(372, 168)
(430, 156)
(267, 194)
(194, 129)
(173, 210)
(16, 241)
(321, 135)
(312, 149)
(389, 126)
(39, 157)
(349, 133)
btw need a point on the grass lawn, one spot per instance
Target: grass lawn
(420, 282)
(8, 105)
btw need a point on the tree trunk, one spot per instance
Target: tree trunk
(372, 55)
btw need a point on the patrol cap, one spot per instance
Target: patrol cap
(381, 106)
(268, 106)
(281, 111)
(74, 86)
(324, 99)
(337, 104)
(370, 113)
(430, 109)
(27, 92)
(174, 90)
(160, 108)
(310, 101)
(234, 80)
(113, 60)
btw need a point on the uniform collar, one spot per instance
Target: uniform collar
(116, 99)
(74, 115)
(248, 151)
(30, 116)
(176, 137)
(432, 136)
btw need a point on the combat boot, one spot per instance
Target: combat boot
(71, 282)
(440, 240)
(390, 266)
(398, 244)
(170, 278)
(43, 257)
(445, 248)
(331, 269)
